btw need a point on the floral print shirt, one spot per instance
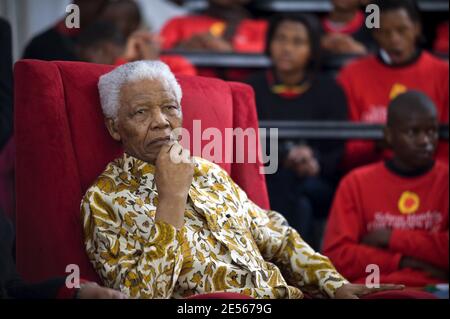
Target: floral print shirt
(227, 243)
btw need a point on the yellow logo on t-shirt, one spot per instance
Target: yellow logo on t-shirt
(408, 203)
(396, 90)
(217, 29)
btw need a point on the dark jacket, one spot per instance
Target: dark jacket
(11, 285)
(6, 83)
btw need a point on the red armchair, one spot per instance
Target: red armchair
(62, 146)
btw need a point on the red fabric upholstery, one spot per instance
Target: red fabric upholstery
(63, 145)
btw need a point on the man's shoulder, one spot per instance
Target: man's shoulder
(441, 170)
(364, 174)
(204, 164)
(431, 59)
(361, 64)
(106, 182)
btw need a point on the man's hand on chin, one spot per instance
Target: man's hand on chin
(173, 177)
(353, 291)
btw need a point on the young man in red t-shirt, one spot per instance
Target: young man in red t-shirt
(371, 83)
(394, 214)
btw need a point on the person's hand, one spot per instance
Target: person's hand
(301, 159)
(216, 44)
(92, 290)
(431, 270)
(353, 291)
(377, 238)
(142, 45)
(206, 42)
(173, 177)
(342, 44)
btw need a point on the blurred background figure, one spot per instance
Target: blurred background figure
(345, 30)
(157, 13)
(225, 26)
(295, 89)
(101, 43)
(58, 42)
(400, 65)
(119, 36)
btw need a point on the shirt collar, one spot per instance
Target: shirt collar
(390, 165)
(136, 167)
(384, 58)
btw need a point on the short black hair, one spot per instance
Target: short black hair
(98, 32)
(410, 6)
(312, 27)
(409, 102)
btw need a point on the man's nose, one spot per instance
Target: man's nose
(159, 121)
(423, 138)
(395, 38)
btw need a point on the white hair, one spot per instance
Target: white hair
(110, 84)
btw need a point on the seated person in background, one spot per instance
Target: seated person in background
(103, 43)
(394, 214)
(58, 42)
(441, 41)
(295, 90)
(345, 29)
(13, 287)
(225, 26)
(371, 82)
(159, 224)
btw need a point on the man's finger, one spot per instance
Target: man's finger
(391, 287)
(383, 287)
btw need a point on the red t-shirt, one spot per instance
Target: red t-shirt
(370, 85)
(177, 64)
(249, 38)
(351, 27)
(415, 208)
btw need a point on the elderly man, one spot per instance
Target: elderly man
(160, 224)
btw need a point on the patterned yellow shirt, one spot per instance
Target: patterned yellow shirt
(228, 243)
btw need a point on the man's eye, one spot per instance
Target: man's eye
(140, 112)
(171, 107)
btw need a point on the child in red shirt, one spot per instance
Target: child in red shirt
(394, 214)
(372, 82)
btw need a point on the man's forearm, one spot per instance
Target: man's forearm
(171, 211)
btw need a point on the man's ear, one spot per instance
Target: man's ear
(418, 27)
(111, 125)
(387, 135)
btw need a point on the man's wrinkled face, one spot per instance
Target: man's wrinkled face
(397, 35)
(414, 139)
(148, 114)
